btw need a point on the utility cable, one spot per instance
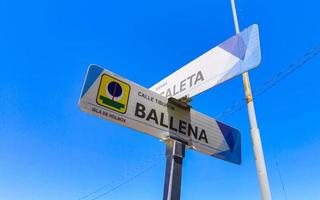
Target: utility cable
(280, 176)
(124, 179)
(273, 81)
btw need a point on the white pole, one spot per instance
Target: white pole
(255, 133)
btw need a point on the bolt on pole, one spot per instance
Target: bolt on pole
(254, 130)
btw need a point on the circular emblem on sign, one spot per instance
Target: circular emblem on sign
(114, 90)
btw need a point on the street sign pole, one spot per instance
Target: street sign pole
(175, 152)
(254, 130)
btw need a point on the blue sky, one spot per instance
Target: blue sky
(49, 149)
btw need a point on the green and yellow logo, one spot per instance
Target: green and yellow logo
(113, 94)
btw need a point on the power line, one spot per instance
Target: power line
(280, 176)
(273, 81)
(124, 182)
(125, 178)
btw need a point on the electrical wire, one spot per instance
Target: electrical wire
(280, 176)
(273, 81)
(125, 178)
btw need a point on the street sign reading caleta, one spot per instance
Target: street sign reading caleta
(111, 97)
(231, 58)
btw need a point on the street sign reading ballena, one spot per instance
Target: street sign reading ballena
(117, 99)
(231, 58)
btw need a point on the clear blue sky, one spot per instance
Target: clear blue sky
(51, 150)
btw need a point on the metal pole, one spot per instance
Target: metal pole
(255, 133)
(175, 152)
